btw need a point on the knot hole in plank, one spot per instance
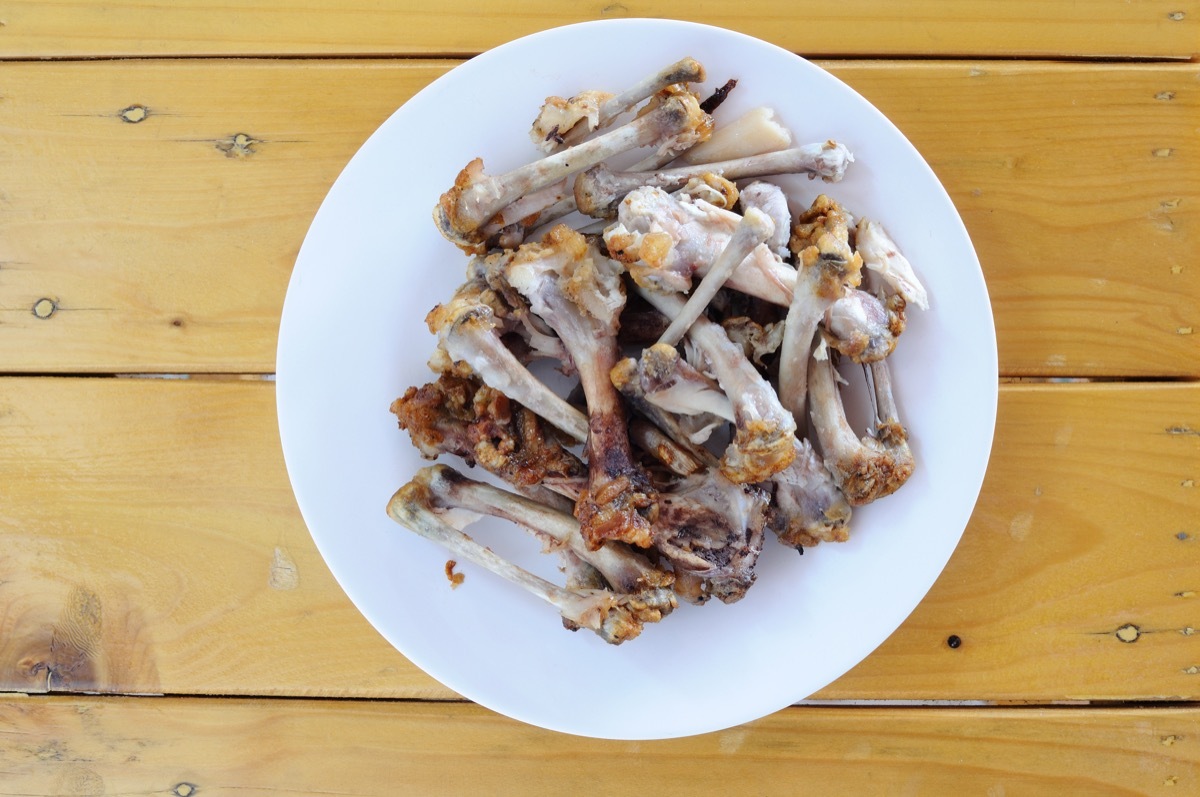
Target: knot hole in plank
(239, 145)
(44, 308)
(134, 114)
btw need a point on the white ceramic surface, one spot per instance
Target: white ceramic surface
(352, 338)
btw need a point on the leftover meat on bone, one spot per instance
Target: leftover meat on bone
(599, 190)
(826, 269)
(476, 196)
(685, 439)
(577, 291)
(616, 617)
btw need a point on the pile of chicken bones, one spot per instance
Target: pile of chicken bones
(702, 325)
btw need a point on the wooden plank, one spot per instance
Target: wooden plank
(166, 244)
(1085, 220)
(151, 543)
(159, 550)
(188, 746)
(1078, 574)
(1150, 28)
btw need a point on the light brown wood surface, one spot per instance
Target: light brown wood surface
(1146, 28)
(152, 544)
(166, 244)
(151, 209)
(95, 746)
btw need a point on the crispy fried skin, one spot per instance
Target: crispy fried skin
(462, 416)
(821, 234)
(712, 530)
(867, 478)
(761, 448)
(866, 468)
(619, 502)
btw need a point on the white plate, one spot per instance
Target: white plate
(352, 338)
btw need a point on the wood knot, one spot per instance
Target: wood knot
(185, 789)
(134, 114)
(239, 145)
(954, 641)
(44, 308)
(1128, 633)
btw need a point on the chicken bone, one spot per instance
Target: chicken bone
(467, 330)
(476, 197)
(763, 428)
(711, 531)
(614, 617)
(753, 133)
(599, 190)
(623, 569)
(882, 256)
(826, 269)
(665, 240)
(866, 468)
(564, 122)
(578, 292)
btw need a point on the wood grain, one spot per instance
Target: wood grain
(1149, 28)
(157, 516)
(166, 244)
(1080, 188)
(1080, 563)
(150, 543)
(187, 746)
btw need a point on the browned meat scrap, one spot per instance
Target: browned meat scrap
(462, 416)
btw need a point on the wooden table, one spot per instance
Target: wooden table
(166, 624)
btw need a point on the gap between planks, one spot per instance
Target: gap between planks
(1120, 60)
(847, 704)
